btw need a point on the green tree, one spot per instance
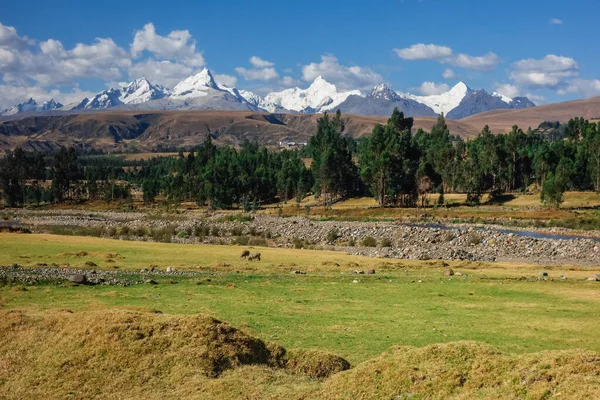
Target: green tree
(553, 190)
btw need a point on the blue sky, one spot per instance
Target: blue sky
(543, 49)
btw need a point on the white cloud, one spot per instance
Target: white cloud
(431, 88)
(260, 63)
(261, 70)
(10, 39)
(448, 74)
(227, 80)
(549, 72)
(258, 74)
(486, 62)
(422, 51)
(288, 81)
(585, 87)
(444, 54)
(47, 67)
(508, 90)
(177, 45)
(556, 21)
(346, 78)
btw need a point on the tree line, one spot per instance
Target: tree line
(395, 165)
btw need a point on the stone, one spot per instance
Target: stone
(542, 274)
(449, 272)
(78, 278)
(371, 272)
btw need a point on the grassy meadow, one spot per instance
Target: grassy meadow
(329, 308)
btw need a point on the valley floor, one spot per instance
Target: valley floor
(487, 325)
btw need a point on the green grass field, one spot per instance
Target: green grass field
(326, 309)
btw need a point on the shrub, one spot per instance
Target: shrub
(447, 236)
(241, 240)
(298, 243)
(369, 241)
(237, 231)
(124, 230)
(236, 218)
(215, 231)
(257, 241)
(333, 235)
(183, 234)
(385, 242)
(473, 239)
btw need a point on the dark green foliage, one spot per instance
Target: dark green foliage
(369, 241)
(332, 236)
(553, 190)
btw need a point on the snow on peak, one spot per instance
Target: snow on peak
(140, 91)
(502, 97)
(51, 105)
(319, 96)
(257, 101)
(198, 85)
(444, 102)
(383, 91)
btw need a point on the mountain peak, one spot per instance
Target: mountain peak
(195, 85)
(460, 87)
(383, 91)
(321, 84)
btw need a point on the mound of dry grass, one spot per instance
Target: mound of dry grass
(316, 364)
(61, 354)
(468, 370)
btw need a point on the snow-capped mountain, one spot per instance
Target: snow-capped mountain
(136, 92)
(31, 106)
(445, 102)
(198, 85)
(201, 92)
(382, 100)
(319, 96)
(260, 102)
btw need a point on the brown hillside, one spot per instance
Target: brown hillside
(501, 121)
(146, 131)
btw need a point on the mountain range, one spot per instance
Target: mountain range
(202, 92)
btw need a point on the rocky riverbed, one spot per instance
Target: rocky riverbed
(380, 239)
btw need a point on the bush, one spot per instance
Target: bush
(237, 231)
(183, 234)
(215, 231)
(298, 244)
(473, 239)
(332, 236)
(241, 240)
(236, 218)
(257, 241)
(385, 242)
(124, 231)
(369, 241)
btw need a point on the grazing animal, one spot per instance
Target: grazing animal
(254, 257)
(245, 254)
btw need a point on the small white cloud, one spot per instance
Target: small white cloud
(423, 51)
(486, 62)
(346, 78)
(227, 80)
(448, 74)
(556, 21)
(584, 87)
(432, 88)
(549, 72)
(260, 63)
(258, 74)
(288, 81)
(444, 54)
(261, 70)
(177, 45)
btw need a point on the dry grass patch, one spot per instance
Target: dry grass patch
(468, 370)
